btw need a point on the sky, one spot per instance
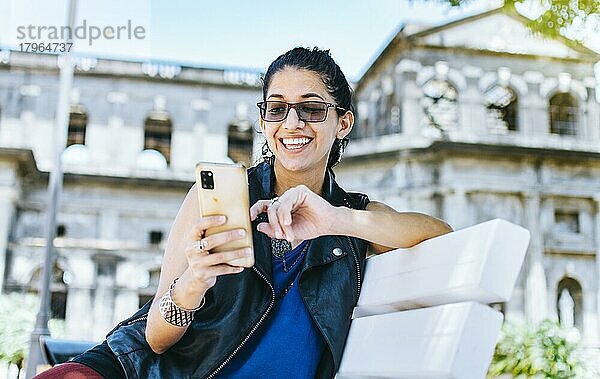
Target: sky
(233, 33)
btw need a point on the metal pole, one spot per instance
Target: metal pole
(35, 356)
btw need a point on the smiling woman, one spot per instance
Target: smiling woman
(288, 316)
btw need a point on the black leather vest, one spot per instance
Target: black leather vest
(238, 304)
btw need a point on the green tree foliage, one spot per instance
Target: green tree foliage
(17, 318)
(543, 351)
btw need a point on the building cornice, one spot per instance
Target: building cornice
(481, 150)
(25, 160)
(150, 71)
(403, 41)
(28, 170)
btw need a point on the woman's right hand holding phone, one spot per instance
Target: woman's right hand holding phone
(190, 256)
(205, 266)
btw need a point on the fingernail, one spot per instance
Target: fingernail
(277, 235)
(222, 219)
(242, 232)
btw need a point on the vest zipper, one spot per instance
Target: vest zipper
(357, 268)
(253, 329)
(137, 319)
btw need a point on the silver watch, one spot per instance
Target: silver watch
(173, 313)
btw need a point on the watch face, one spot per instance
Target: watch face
(439, 104)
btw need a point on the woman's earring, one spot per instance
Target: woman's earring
(267, 155)
(342, 143)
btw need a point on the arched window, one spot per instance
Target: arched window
(439, 104)
(363, 121)
(569, 303)
(502, 105)
(58, 291)
(240, 137)
(240, 142)
(157, 133)
(390, 118)
(78, 119)
(563, 111)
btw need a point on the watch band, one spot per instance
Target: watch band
(173, 313)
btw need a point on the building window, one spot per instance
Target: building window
(240, 142)
(58, 304)
(566, 222)
(157, 133)
(58, 291)
(395, 119)
(106, 268)
(78, 119)
(501, 103)
(563, 111)
(569, 303)
(389, 115)
(440, 104)
(61, 230)
(363, 121)
(156, 237)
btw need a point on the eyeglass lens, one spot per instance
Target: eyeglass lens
(309, 111)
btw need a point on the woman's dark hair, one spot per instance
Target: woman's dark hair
(321, 63)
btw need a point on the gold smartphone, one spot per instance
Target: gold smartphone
(223, 190)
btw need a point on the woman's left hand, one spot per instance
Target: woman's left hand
(298, 214)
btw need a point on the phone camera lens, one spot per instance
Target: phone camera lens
(206, 178)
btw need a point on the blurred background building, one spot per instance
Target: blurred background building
(467, 121)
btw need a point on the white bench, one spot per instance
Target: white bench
(422, 312)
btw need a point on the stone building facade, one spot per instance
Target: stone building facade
(478, 119)
(136, 131)
(468, 121)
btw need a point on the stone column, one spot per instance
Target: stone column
(126, 296)
(104, 295)
(536, 289)
(590, 331)
(411, 109)
(371, 130)
(472, 120)
(597, 246)
(8, 196)
(534, 109)
(456, 208)
(79, 313)
(592, 114)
